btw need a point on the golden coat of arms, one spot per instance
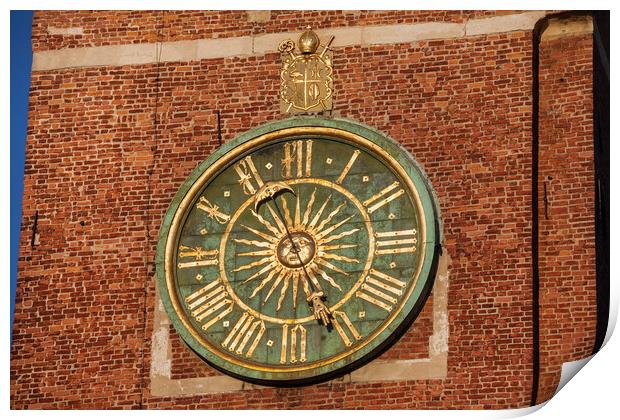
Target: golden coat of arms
(306, 78)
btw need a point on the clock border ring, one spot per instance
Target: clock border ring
(347, 296)
(223, 162)
(245, 147)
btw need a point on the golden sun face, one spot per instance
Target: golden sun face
(298, 252)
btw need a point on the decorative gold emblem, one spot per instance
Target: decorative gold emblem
(306, 79)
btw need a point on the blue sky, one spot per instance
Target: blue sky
(21, 62)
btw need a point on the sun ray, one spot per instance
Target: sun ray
(338, 257)
(310, 270)
(255, 253)
(283, 292)
(340, 235)
(297, 212)
(329, 217)
(265, 281)
(295, 286)
(266, 223)
(287, 213)
(334, 247)
(283, 274)
(333, 228)
(308, 209)
(254, 243)
(261, 234)
(318, 214)
(262, 271)
(276, 218)
(304, 283)
(255, 264)
(329, 265)
(327, 278)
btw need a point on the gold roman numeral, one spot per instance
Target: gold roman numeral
(347, 168)
(381, 290)
(208, 302)
(383, 197)
(352, 331)
(212, 211)
(396, 242)
(202, 257)
(294, 153)
(248, 176)
(297, 344)
(244, 329)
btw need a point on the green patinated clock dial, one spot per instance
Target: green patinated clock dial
(293, 210)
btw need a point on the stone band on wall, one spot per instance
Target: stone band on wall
(200, 49)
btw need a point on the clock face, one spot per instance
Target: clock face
(298, 251)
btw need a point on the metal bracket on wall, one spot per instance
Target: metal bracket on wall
(35, 239)
(545, 198)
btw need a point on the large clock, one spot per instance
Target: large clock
(298, 251)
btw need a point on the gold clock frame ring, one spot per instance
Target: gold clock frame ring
(224, 161)
(347, 296)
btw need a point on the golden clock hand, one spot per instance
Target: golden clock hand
(270, 191)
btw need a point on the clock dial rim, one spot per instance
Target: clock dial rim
(392, 154)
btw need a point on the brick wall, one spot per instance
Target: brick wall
(566, 206)
(108, 147)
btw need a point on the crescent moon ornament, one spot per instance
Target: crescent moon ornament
(270, 190)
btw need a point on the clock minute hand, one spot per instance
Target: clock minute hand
(269, 191)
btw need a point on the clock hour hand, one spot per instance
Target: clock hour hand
(316, 299)
(321, 312)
